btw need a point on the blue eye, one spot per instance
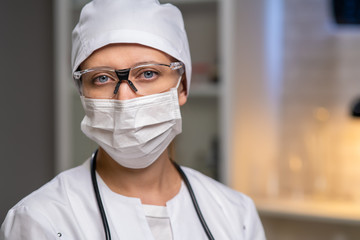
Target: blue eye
(103, 78)
(148, 74)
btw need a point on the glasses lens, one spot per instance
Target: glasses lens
(153, 78)
(148, 79)
(99, 83)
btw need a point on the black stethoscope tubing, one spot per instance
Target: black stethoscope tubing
(102, 210)
(98, 197)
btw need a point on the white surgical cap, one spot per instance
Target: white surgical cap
(145, 22)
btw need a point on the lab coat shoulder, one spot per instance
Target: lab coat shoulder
(45, 212)
(238, 209)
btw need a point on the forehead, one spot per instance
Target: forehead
(124, 55)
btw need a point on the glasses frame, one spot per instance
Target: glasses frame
(123, 74)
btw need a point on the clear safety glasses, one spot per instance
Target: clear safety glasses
(144, 79)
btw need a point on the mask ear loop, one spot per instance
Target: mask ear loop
(178, 83)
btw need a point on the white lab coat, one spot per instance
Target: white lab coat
(66, 209)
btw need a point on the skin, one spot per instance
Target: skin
(159, 182)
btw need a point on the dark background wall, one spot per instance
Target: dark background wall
(26, 99)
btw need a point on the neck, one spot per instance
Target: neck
(154, 185)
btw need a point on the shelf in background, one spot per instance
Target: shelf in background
(327, 211)
(204, 90)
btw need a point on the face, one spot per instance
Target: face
(123, 56)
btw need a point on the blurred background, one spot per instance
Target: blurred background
(273, 109)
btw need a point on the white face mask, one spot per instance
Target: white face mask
(133, 132)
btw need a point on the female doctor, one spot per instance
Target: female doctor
(131, 63)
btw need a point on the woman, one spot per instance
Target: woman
(132, 66)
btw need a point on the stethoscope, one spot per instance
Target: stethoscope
(102, 210)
